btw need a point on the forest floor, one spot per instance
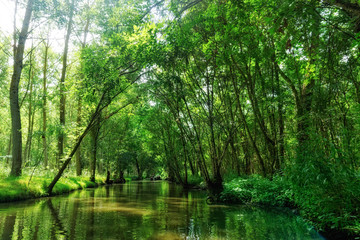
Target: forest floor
(27, 187)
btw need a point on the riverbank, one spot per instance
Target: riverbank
(333, 223)
(254, 190)
(27, 187)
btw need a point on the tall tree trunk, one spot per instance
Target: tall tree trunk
(213, 153)
(62, 86)
(281, 122)
(247, 156)
(259, 118)
(303, 112)
(28, 145)
(201, 159)
(304, 107)
(15, 30)
(175, 110)
(79, 108)
(44, 108)
(14, 94)
(243, 119)
(94, 134)
(183, 143)
(138, 169)
(9, 149)
(171, 174)
(29, 134)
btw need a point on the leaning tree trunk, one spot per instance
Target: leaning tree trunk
(68, 159)
(14, 94)
(78, 152)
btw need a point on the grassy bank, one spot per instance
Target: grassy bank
(26, 187)
(318, 209)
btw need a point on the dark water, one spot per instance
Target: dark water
(144, 210)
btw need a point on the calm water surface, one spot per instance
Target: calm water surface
(145, 210)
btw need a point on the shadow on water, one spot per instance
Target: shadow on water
(145, 210)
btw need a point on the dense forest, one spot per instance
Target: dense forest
(238, 96)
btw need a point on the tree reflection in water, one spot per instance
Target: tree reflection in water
(145, 210)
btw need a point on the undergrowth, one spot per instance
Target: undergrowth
(258, 190)
(334, 207)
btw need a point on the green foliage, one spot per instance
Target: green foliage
(325, 188)
(195, 180)
(258, 190)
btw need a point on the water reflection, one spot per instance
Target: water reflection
(144, 210)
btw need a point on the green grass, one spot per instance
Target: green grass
(20, 188)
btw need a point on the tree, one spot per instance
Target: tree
(44, 107)
(62, 83)
(14, 93)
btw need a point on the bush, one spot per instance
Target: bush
(258, 190)
(326, 186)
(329, 196)
(194, 180)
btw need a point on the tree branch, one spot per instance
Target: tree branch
(347, 6)
(290, 83)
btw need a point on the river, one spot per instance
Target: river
(145, 210)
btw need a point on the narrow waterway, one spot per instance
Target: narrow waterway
(145, 210)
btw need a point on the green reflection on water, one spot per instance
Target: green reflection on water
(144, 210)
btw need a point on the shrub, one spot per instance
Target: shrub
(329, 195)
(258, 190)
(326, 187)
(194, 180)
